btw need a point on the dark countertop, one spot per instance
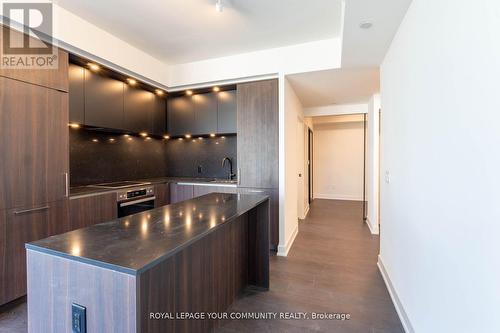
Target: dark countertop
(90, 190)
(134, 243)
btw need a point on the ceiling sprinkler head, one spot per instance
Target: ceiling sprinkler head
(219, 6)
(366, 25)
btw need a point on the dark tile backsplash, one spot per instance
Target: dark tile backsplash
(185, 156)
(115, 157)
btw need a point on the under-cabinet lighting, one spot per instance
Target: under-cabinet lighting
(189, 92)
(111, 140)
(166, 137)
(74, 126)
(132, 82)
(212, 135)
(188, 136)
(216, 89)
(126, 135)
(222, 137)
(200, 138)
(93, 66)
(180, 139)
(95, 140)
(159, 92)
(143, 134)
(148, 138)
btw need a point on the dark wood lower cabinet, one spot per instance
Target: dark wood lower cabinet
(162, 194)
(20, 226)
(180, 192)
(90, 210)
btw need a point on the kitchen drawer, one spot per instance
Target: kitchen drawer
(90, 210)
(17, 227)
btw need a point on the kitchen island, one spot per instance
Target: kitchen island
(194, 257)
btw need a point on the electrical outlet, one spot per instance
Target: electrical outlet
(78, 318)
(387, 177)
(200, 169)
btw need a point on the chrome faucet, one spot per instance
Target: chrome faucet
(231, 174)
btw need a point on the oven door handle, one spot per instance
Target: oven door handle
(130, 203)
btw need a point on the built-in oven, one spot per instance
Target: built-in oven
(135, 200)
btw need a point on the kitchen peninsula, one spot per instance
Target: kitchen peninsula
(194, 256)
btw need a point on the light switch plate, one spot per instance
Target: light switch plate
(78, 319)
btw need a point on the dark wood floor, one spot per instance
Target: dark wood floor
(330, 268)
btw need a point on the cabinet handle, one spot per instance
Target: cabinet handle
(239, 176)
(66, 184)
(24, 211)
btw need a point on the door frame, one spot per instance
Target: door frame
(310, 138)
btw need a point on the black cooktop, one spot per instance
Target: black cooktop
(122, 184)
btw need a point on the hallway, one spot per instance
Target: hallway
(330, 268)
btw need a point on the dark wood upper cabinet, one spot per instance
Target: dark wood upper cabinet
(56, 78)
(257, 125)
(34, 144)
(103, 101)
(160, 116)
(138, 110)
(76, 76)
(226, 112)
(205, 113)
(180, 115)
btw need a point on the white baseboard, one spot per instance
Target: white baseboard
(373, 229)
(337, 197)
(283, 250)
(305, 213)
(395, 299)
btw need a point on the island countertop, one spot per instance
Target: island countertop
(134, 243)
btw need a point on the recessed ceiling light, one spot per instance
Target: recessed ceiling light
(366, 25)
(159, 92)
(219, 6)
(93, 66)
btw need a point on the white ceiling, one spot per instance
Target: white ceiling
(336, 86)
(367, 48)
(179, 31)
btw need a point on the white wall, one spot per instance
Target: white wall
(338, 160)
(298, 58)
(293, 112)
(440, 138)
(372, 164)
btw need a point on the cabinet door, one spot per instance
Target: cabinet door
(33, 144)
(226, 112)
(162, 194)
(180, 192)
(76, 94)
(274, 212)
(49, 78)
(205, 113)
(19, 227)
(258, 134)
(180, 116)
(103, 101)
(200, 190)
(160, 116)
(87, 211)
(138, 110)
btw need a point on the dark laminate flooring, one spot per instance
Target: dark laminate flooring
(330, 268)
